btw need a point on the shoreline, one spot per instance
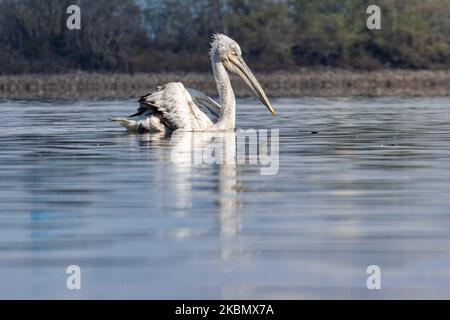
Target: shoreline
(303, 83)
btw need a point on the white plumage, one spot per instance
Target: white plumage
(174, 107)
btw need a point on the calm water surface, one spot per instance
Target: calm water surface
(372, 187)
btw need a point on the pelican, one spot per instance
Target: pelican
(174, 107)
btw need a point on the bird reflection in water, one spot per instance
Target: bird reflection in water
(188, 163)
(218, 149)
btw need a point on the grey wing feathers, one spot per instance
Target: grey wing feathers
(176, 107)
(210, 107)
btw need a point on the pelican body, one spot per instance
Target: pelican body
(174, 107)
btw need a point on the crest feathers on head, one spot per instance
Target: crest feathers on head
(216, 39)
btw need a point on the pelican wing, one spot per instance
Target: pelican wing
(207, 105)
(176, 108)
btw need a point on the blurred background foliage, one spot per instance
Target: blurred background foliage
(168, 35)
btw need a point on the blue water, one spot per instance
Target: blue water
(360, 182)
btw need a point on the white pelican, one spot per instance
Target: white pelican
(174, 107)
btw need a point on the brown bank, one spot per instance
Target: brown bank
(325, 83)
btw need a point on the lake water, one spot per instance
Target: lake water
(360, 182)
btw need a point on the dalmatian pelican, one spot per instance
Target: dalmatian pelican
(174, 107)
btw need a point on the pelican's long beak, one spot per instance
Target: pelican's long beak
(246, 74)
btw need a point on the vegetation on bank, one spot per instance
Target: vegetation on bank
(306, 82)
(134, 36)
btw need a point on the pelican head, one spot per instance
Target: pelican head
(228, 52)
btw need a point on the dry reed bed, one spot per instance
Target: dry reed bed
(326, 83)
